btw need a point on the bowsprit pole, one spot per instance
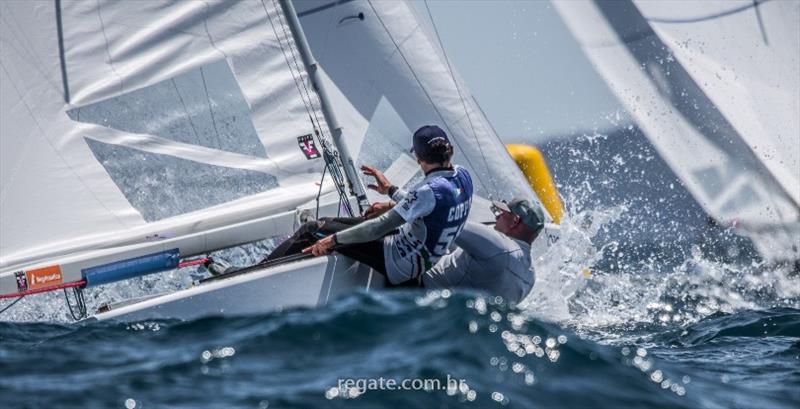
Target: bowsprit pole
(312, 67)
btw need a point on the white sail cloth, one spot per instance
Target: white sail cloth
(748, 63)
(714, 87)
(106, 108)
(389, 65)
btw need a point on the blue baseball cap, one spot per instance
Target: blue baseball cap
(426, 137)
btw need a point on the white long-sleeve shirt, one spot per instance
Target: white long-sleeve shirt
(486, 260)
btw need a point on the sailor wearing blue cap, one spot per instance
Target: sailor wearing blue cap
(427, 218)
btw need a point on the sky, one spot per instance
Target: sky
(524, 67)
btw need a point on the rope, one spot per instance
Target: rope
(80, 283)
(11, 305)
(79, 300)
(193, 262)
(305, 96)
(334, 158)
(319, 193)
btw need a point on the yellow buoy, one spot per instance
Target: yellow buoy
(532, 164)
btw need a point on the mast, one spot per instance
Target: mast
(311, 65)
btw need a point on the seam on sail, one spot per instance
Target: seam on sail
(425, 91)
(58, 153)
(108, 51)
(14, 29)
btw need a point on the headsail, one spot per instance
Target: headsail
(124, 122)
(715, 90)
(386, 61)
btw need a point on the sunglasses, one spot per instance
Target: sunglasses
(496, 211)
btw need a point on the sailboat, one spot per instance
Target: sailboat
(139, 136)
(714, 86)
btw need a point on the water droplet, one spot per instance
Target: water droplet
(473, 327)
(529, 378)
(332, 393)
(497, 396)
(656, 376)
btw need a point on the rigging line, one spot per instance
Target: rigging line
(760, 20)
(210, 110)
(327, 156)
(180, 97)
(79, 301)
(58, 152)
(307, 105)
(335, 171)
(458, 90)
(11, 305)
(322, 7)
(725, 13)
(300, 71)
(319, 193)
(425, 91)
(330, 22)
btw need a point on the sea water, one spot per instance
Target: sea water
(635, 306)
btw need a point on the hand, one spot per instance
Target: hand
(382, 184)
(321, 247)
(378, 208)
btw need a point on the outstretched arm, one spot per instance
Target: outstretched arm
(369, 230)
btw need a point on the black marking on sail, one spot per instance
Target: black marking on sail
(201, 107)
(162, 186)
(61, 51)
(682, 92)
(308, 147)
(322, 7)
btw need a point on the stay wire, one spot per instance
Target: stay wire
(11, 305)
(319, 193)
(333, 157)
(305, 96)
(311, 96)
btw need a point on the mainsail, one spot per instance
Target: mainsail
(714, 85)
(129, 122)
(138, 130)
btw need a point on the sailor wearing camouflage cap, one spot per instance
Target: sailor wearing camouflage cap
(496, 261)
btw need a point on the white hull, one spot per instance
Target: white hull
(308, 282)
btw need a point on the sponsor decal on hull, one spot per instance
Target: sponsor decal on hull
(43, 277)
(22, 281)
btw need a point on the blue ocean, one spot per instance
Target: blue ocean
(641, 303)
